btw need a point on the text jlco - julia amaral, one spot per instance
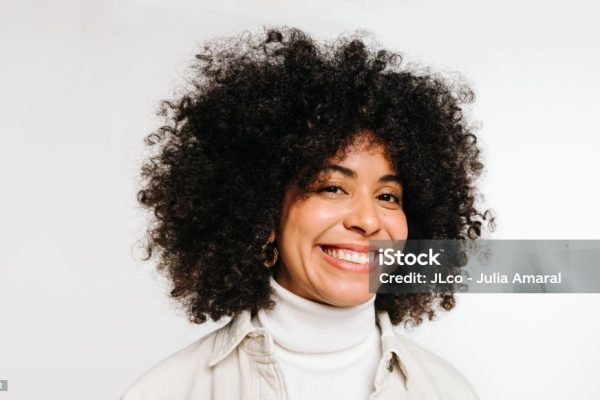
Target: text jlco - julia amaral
(395, 257)
(493, 278)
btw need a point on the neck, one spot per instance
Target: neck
(302, 325)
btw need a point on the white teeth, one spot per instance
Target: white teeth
(348, 255)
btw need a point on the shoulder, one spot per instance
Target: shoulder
(425, 372)
(449, 383)
(175, 376)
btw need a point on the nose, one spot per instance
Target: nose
(363, 216)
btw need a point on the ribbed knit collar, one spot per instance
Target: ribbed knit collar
(305, 326)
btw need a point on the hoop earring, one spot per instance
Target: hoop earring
(270, 260)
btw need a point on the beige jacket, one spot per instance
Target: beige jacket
(236, 362)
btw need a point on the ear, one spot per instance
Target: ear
(272, 237)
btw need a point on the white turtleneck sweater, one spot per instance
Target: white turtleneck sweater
(325, 352)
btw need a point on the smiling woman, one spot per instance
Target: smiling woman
(272, 174)
(357, 199)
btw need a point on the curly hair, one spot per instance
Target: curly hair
(261, 112)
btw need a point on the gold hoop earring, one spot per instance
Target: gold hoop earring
(270, 260)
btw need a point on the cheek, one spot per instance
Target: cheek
(313, 218)
(398, 226)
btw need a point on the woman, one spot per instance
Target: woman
(276, 169)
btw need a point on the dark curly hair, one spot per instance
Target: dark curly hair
(263, 112)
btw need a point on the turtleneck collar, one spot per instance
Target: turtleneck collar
(301, 325)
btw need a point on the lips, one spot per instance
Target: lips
(353, 257)
(359, 248)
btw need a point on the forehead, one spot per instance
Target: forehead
(363, 155)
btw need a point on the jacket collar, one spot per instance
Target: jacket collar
(233, 333)
(391, 344)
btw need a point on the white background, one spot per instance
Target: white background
(81, 317)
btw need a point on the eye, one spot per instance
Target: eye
(389, 197)
(331, 189)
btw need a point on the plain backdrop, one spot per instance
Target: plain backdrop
(82, 317)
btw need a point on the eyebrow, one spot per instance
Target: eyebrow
(391, 178)
(343, 170)
(352, 174)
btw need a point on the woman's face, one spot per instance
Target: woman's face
(323, 238)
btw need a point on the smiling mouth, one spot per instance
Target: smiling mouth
(356, 257)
